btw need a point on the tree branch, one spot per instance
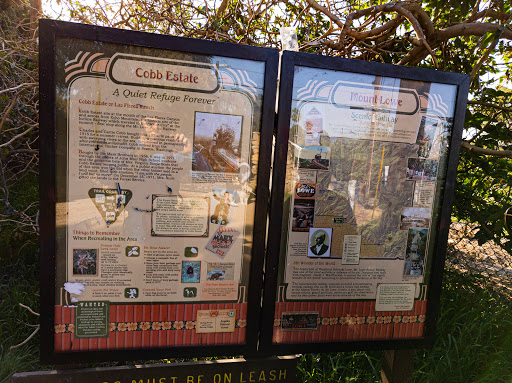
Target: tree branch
(487, 152)
(377, 32)
(488, 13)
(423, 18)
(490, 105)
(326, 12)
(25, 341)
(28, 308)
(414, 56)
(6, 114)
(482, 130)
(19, 86)
(222, 8)
(472, 29)
(486, 54)
(18, 136)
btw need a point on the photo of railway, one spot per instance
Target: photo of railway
(415, 217)
(217, 142)
(303, 214)
(313, 157)
(426, 135)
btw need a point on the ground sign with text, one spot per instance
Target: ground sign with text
(280, 370)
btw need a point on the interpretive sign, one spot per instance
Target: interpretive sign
(155, 164)
(360, 203)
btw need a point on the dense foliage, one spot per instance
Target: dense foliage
(465, 37)
(472, 37)
(18, 132)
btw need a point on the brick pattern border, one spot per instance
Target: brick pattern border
(148, 326)
(351, 321)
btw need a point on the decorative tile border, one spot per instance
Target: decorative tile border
(356, 320)
(144, 326)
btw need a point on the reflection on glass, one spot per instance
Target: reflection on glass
(372, 153)
(159, 153)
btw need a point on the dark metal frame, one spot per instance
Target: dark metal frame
(288, 63)
(49, 30)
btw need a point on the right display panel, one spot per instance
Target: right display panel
(363, 195)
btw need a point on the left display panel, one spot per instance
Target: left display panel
(155, 162)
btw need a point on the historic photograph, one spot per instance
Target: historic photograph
(319, 242)
(313, 157)
(415, 217)
(420, 169)
(416, 251)
(303, 214)
(426, 135)
(222, 205)
(217, 142)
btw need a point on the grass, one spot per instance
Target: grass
(356, 366)
(474, 342)
(19, 283)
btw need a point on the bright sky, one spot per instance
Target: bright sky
(52, 9)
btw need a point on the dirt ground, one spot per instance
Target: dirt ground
(489, 260)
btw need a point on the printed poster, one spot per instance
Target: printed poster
(370, 149)
(156, 172)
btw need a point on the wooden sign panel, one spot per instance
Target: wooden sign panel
(155, 165)
(362, 191)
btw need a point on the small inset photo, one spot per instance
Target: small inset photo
(420, 169)
(313, 157)
(191, 252)
(319, 242)
(215, 275)
(299, 321)
(217, 142)
(426, 135)
(416, 251)
(314, 122)
(190, 271)
(85, 261)
(303, 214)
(222, 207)
(415, 217)
(220, 271)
